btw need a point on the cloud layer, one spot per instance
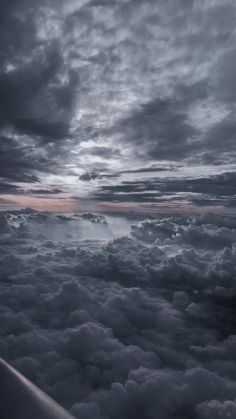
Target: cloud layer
(93, 87)
(139, 326)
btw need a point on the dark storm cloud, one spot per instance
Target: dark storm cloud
(135, 78)
(33, 99)
(36, 103)
(13, 17)
(161, 130)
(33, 102)
(19, 160)
(136, 327)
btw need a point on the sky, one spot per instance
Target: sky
(118, 106)
(118, 151)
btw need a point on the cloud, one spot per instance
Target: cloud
(38, 93)
(169, 123)
(6, 188)
(100, 89)
(88, 176)
(136, 326)
(16, 165)
(211, 190)
(161, 129)
(54, 191)
(99, 151)
(215, 409)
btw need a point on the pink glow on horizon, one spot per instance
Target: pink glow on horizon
(67, 204)
(40, 204)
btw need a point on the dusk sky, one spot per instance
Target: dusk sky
(118, 209)
(118, 105)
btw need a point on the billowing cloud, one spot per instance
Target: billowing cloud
(138, 326)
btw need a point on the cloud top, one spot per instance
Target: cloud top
(138, 326)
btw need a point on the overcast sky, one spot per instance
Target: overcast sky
(118, 105)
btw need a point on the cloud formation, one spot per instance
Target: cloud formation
(139, 326)
(96, 90)
(213, 190)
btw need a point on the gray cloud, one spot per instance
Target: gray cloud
(100, 175)
(133, 79)
(37, 92)
(138, 326)
(160, 129)
(89, 176)
(212, 190)
(53, 191)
